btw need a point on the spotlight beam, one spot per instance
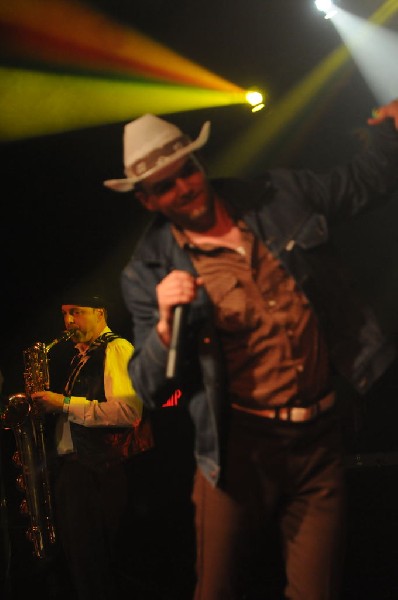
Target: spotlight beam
(34, 103)
(107, 57)
(283, 113)
(70, 34)
(374, 49)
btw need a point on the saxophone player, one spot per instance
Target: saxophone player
(99, 429)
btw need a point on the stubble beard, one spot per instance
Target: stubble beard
(203, 218)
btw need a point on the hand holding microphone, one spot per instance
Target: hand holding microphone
(174, 293)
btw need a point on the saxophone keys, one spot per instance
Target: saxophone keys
(51, 533)
(23, 507)
(21, 484)
(16, 459)
(34, 535)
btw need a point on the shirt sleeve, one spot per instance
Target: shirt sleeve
(122, 408)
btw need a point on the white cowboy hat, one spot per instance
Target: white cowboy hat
(150, 143)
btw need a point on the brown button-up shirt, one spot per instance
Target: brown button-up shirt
(274, 350)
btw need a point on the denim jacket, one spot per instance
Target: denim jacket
(293, 212)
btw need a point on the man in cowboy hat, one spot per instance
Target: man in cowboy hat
(269, 321)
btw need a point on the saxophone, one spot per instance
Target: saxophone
(27, 423)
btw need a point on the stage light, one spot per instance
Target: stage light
(255, 99)
(327, 7)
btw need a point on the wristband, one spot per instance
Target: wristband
(65, 407)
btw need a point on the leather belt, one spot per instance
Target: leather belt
(295, 414)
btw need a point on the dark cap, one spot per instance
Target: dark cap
(85, 292)
(82, 299)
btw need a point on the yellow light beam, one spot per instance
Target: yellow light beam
(34, 103)
(383, 14)
(269, 125)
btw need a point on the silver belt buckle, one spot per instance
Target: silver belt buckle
(299, 414)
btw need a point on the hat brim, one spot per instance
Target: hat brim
(128, 183)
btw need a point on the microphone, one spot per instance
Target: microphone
(180, 312)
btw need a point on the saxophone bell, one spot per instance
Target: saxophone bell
(15, 411)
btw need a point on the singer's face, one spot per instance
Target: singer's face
(181, 192)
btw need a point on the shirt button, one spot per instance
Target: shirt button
(271, 303)
(300, 368)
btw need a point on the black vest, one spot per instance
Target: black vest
(101, 447)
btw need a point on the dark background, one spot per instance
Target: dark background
(61, 228)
